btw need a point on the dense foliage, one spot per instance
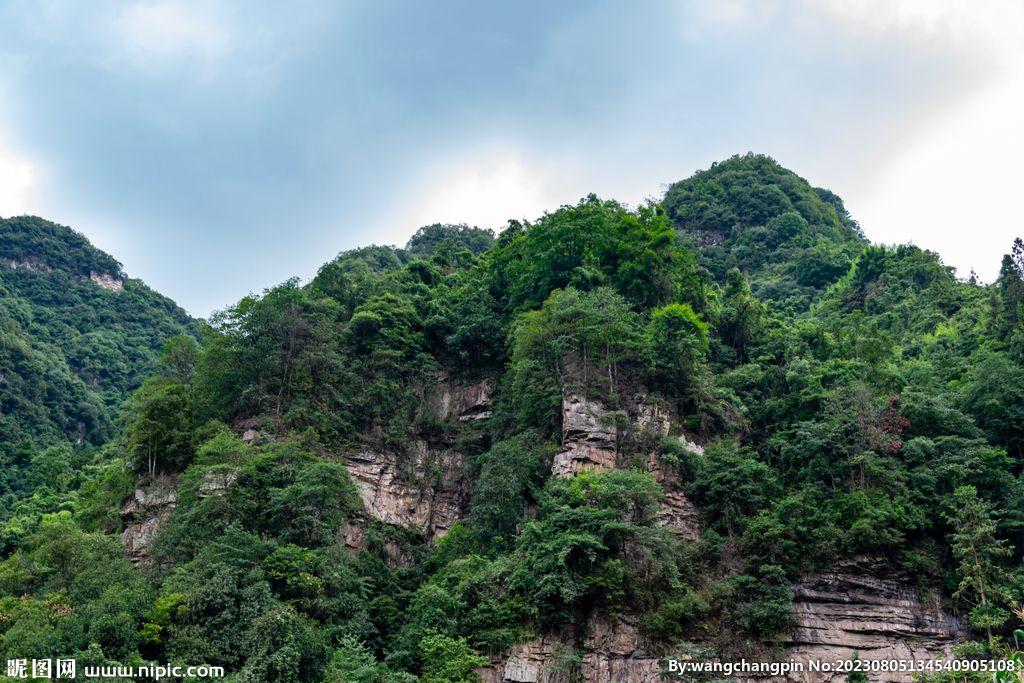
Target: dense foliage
(71, 353)
(850, 399)
(752, 214)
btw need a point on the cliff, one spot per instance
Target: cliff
(861, 604)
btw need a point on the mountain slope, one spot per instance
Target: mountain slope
(748, 212)
(571, 451)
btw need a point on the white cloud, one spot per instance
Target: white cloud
(488, 190)
(949, 182)
(169, 29)
(17, 183)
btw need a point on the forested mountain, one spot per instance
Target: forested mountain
(749, 213)
(654, 421)
(77, 337)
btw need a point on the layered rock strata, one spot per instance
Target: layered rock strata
(426, 491)
(613, 651)
(589, 438)
(860, 605)
(863, 605)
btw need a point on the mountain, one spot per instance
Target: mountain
(596, 441)
(77, 337)
(748, 212)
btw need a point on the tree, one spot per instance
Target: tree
(856, 675)
(180, 354)
(159, 425)
(676, 338)
(499, 502)
(974, 543)
(448, 660)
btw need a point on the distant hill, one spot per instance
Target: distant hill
(77, 335)
(750, 213)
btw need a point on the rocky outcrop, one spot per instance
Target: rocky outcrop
(143, 511)
(654, 418)
(456, 398)
(30, 265)
(678, 511)
(679, 514)
(864, 605)
(106, 281)
(425, 490)
(589, 437)
(141, 499)
(137, 537)
(216, 482)
(353, 535)
(859, 605)
(613, 651)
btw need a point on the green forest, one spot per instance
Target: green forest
(848, 398)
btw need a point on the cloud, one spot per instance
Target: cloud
(179, 132)
(18, 178)
(488, 190)
(943, 178)
(169, 29)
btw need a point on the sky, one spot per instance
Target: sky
(217, 148)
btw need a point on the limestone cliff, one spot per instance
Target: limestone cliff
(428, 494)
(142, 512)
(425, 489)
(861, 604)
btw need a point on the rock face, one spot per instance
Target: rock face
(429, 492)
(614, 651)
(466, 401)
(861, 605)
(679, 513)
(216, 482)
(106, 281)
(589, 438)
(30, 265)
(353, 535)
(864, 605)
(143, 511)
(425, 489)
(137, 537)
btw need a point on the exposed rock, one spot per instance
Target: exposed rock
(250, 435)
(106, 281)
(30, 265)
(653, 417)
(861, 604)
(137, 537)
(586, 442)
(678, 511)
(353, 536)
(430, 497)
(691, 445)
(617, 651)
(141, 498)
(216, 482)
(537, 660)
(864, 605)
(518, 670)
(679, 514)
(465, 401)
(614, 651)
(144, 510)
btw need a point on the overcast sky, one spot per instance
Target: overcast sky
(217, 148)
